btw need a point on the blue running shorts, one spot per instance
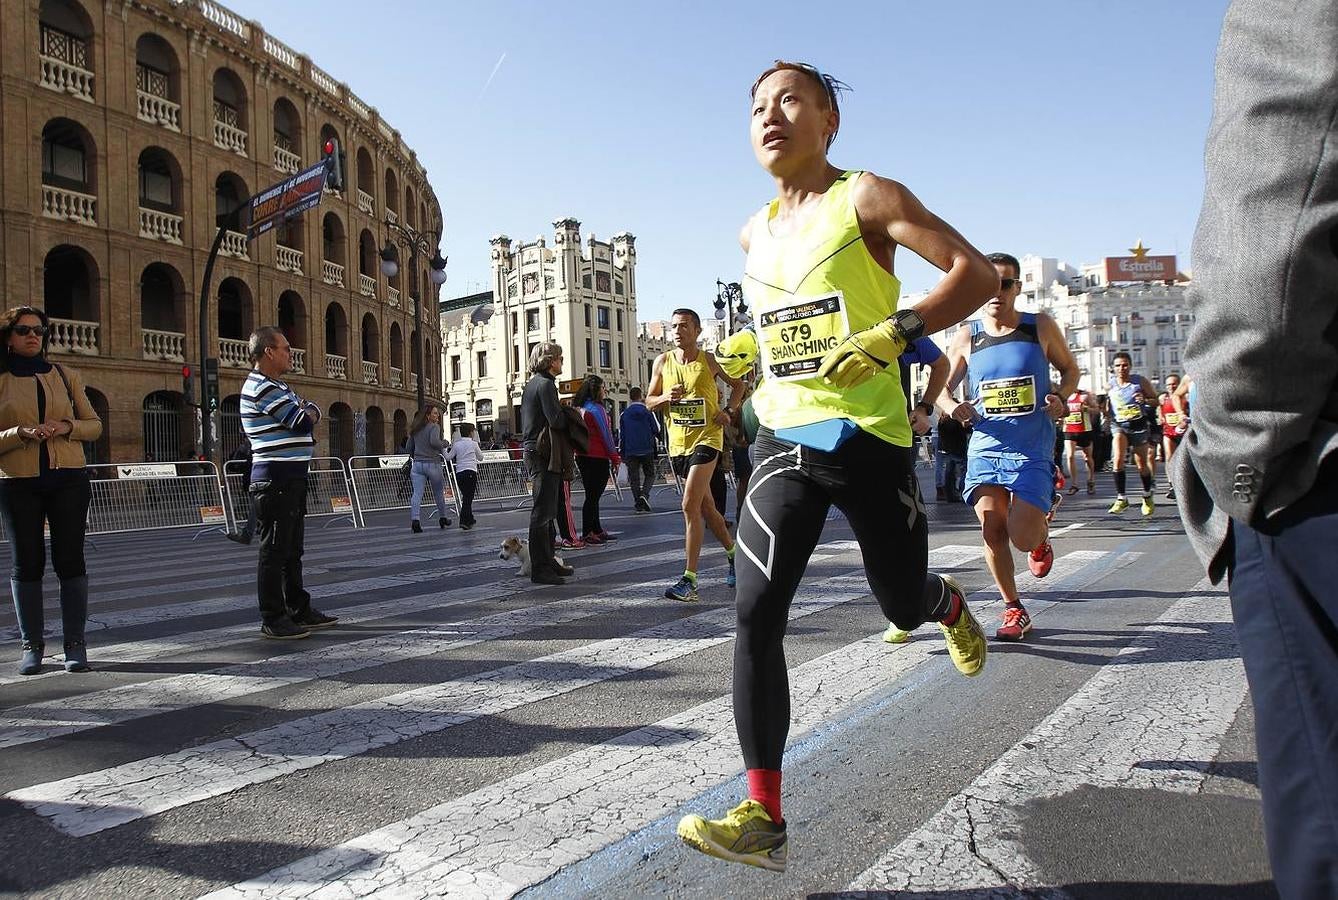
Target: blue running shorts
(1032, 480)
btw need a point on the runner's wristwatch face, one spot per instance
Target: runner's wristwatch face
(909, 323)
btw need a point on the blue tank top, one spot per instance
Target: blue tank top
(1010, 377)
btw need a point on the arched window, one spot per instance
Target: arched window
(68, 157)
(98, 452)
(367, 179)
(162, 312)
(159, 185)
(287, 136)
(392, 194)
(230, 119)
(65, 48)
(341, 430)
(157, 82)
(336, 339)
(376, 431)
(166, 434)
(230, 425)
(235, 323)
(70, 298)
(396, 349)
(401, 423)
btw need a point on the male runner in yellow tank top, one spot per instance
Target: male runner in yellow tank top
(834, 427)
(684, 380)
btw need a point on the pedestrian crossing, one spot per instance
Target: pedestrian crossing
(508, 649)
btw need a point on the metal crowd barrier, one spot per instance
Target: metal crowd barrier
(148, 496)
(665, 476)
(502, 478)
(382, 482)
(329, 493)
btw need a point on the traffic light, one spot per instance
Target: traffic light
(188, 384)
(334, 166)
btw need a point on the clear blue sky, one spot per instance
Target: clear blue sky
(1069, 128)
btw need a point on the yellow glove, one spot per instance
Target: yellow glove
(737, 353)
(863, 355)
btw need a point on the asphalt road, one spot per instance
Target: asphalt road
(462, 733)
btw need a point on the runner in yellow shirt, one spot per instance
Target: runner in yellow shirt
(684, 381)
(833, 422)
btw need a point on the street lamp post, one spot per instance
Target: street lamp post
(729, 304)
(417, 242)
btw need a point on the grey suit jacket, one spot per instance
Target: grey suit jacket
(1264, 350)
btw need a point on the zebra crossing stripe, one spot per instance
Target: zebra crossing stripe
(1149, 702)
(586, 801)
(86, 804)
(350, 614)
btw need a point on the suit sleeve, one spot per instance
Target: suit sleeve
(1265, 289)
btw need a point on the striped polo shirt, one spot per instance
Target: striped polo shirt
(275, 420)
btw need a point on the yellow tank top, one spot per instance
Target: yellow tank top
(808, 292)
(691, 421)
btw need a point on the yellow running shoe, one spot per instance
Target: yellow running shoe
(895, 635)
(745, 835)
(1149, 505)
(966, 640)
(1119, 506)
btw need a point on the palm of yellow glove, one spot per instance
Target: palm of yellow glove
(863, 355)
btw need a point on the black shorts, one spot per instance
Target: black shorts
(1081, 438)
(700, 455)
(1139, 431)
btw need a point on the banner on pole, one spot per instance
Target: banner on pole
(285, 200)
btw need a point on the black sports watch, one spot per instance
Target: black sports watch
(929, 410)
(909, 324)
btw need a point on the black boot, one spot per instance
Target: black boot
(417, 527)
(444, 522)
(73, 614)
(28, 609)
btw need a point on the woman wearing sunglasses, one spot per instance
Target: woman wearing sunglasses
(44, 415)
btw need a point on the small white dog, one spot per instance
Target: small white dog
(514, 548)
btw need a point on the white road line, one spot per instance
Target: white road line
(349, 614)
(83, 712)
(518, 832)
(1149, 702)
(86, 804)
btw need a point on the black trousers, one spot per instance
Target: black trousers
(469, 486)
(1286, 613)
(791, 490)
(281, 517)
(25, 503)
(640, 475)
(595, 477)
(543, 512)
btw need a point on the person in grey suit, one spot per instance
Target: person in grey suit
(1257, 476)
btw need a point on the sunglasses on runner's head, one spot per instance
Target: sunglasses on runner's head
(827, 82)
(25, 330)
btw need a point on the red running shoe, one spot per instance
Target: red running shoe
(1016, 623)
(1041, 559)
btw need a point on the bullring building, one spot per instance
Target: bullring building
(128, 127)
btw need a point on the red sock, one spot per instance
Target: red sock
(955, 613)
(764, 787)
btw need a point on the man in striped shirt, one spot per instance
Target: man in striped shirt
(278, 423)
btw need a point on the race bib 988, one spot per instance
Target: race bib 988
(1008, 396)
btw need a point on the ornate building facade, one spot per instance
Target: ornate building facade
(128, 127)
(584, 301)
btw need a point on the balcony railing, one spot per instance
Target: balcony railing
(235, 245)
(159, 226)
(366, 285)
(336, 367)
(166, 345)
(332, 273)
(393, 297)
(233, 353)
(72, 206)
(229, 137)
(288, 259)
(396, 377)
(66, 78)
(413, 381)
(299, 361)
(392, 217)
(159, 111)
(73, 336)
(366, 202)
(286, 161)
(371, 372)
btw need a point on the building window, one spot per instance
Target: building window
(532, 320)
(515, 323)
(621, 362)
(155, 189)
(455, 368)
(587, 314)
(482, 364)
(603, 317)
(589, 357)
(515, 357)
(618, 286)
(529, 354)
(585, 282)
(602, 282)
(552, 317)
(63, 166)
(604, 355)
(457, 412)
(620, 320)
